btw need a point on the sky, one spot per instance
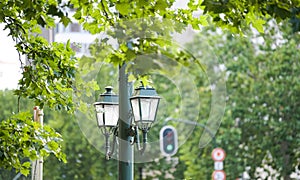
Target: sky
(7, 47)
(9, 62)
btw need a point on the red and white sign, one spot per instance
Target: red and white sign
(218, 154)
(219, 175)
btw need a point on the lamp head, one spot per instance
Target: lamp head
(144, 104)
(107, 108)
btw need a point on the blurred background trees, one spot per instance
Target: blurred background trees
(261, 121)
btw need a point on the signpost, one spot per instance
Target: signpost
(218, 155)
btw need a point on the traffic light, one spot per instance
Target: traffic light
(168, 141)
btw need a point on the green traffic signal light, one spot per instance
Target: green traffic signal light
(170, 147)
(168, 140)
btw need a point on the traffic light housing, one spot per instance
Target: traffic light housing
(168, 141)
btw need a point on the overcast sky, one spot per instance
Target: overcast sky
(8, 51)
(9, 62)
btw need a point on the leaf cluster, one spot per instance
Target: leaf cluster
(238, 15)
(138, 28)
(50, 68)
(47, 78)
(22, 141)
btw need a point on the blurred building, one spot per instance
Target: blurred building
(79, 38)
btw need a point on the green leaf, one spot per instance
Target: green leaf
(24, 171)
(53, 145)
(77, 15)
(26, 152)
(65, 20)
(26, 164)
(123, 8)
(203, 20)
(131, 78)
(258, 25)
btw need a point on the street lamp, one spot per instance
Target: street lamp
(107, 109)
(107, 113)
(144, 105)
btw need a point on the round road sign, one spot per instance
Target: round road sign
(219, 175)
(218, 154)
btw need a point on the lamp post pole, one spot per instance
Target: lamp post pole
(125, 148)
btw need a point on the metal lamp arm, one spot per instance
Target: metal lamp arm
(107, 144)
(145, 132)
(137, 140)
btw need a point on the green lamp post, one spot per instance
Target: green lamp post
(114, 116)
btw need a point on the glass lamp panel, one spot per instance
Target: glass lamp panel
(136, 108)
(107, 114)
(149, 107)
(111, 114)
(99, 112)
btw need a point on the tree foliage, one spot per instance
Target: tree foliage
(49, 71)
(259, 129)
(239, 15)
(23, 140)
